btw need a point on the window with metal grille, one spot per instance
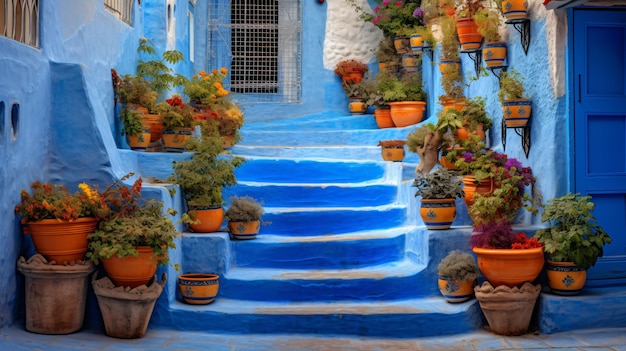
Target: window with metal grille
(122, 9)
(260, 41)
(19, 20)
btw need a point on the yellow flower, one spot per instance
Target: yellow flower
(91, 195)
(224, 70)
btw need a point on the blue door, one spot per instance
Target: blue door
(599, 136)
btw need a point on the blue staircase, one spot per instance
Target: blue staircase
(343, 250)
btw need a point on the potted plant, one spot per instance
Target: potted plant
(392, 150)
(438, 191)
(457, 276)
(59, 221)
(573, 241)
(137, 135)
(155, 69)
(467, 30)
(178, 123)
(394, 19)
(506, 257)
(516, 107)
(202, 178)
(133, 235)
(358, 94)
(489, 21)
(405, 97)
(350, 71)
(244, 217)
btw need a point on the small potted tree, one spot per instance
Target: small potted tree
(516, 107)
(438, 191)
(178, 123)
(457, 276)
(392, 150)
(244, 217)
(137, 135)
(574, 241)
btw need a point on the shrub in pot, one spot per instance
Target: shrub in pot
(244, 217)
(573, 241)
(516, 106)
(457, 276)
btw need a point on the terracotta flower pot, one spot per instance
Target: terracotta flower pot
(393, 154)
(469, 38)
(456, 291)
(406, 113)
(383, 118)
(438, 213)
(508, 266)
(507, 310)
(61, 241)
(198, 288)
(131, 271)
(139, 142)
(175, 140)
(244, 230)
(210, 218)
(565, 278)
(470, 187)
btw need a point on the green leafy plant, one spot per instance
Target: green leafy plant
(405, 88)
(458, 265)
(136, 90)
(574, 234)
(131, 122)
(156, 69)
(449, 39)
(130, 220)
(202, 178)
(474, 114)
(488, 21)
(175, 116)
(511, 85)
(440, 184)
(394, 17)
(244, 209)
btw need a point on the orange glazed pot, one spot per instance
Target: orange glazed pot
(383, 118)
(139, 142)
(470, 187)
(494, 54)
(517, 112)
(565, 278)
(61, 241)
(456, 291)
(510, 267)
(469, 38)
(130, 270)
(394, 154)
(438, 213)
(457, 104)
(406, 113)
(175, 140)
(198, 288)
(244, 230)
(210, 218)
(514, 9)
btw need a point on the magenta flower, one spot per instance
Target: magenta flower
(377, 8)
(386, 2)
(468, 157)
(418, 13)
(398, 3)
(511, 162)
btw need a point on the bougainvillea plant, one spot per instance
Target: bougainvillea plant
(500, 235)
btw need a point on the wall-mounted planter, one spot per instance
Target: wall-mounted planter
(494, 54)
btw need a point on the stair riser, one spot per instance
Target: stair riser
(331, 222)
(318, 255)
(393, 325)
(304, 171)
(320, 196)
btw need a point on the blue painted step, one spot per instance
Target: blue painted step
(409, 318)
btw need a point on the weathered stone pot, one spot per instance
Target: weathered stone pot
(55, 294)
(126, 312)
(507, 310)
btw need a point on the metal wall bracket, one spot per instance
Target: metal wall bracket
(523, 132)
(497, 71)
(476, 56)
(523, 27)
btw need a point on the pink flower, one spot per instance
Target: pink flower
(398, 3)
(377, 8)
(386, 2)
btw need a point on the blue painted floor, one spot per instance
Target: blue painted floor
(17, 339)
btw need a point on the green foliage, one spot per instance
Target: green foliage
(449, 39)
(387, 52)
(449, 121)
(136, 90)
(131, 122)
(175, 116)
(202, 177)
(511, 85)
(458, 265)
(406, 88)
(244, 209)
(156, 71)
(488, 21)
(393, 17)
(129, 221)
(440, 184)
(474, 114)
(574, 234)
(452, 82)
(427, 36)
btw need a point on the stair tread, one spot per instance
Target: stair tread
(430, 304)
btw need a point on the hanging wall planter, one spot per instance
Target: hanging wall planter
(517, 112)
(494, 53)
(514, 9)
(402, 45)
(469, 38)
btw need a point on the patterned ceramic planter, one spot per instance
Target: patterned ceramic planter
(198, 288)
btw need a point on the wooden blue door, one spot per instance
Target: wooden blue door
(599, 138)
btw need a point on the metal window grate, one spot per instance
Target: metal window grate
(122, 9)
(19, 20)
(260, 41)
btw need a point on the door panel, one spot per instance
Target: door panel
(600, 129)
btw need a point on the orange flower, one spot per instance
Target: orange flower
(215, 71)
(202, 73)
(224, 70)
